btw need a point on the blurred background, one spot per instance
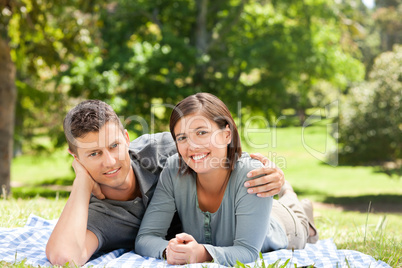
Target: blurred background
(285, 62)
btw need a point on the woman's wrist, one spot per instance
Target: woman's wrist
(205, 256)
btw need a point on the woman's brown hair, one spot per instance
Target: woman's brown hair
(214, 109)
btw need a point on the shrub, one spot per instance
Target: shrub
(371, 117)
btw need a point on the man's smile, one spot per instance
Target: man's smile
(112, 172)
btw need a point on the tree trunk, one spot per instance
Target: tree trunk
(201, 43)
(8, 95)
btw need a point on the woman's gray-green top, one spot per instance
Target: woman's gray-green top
(238, 230)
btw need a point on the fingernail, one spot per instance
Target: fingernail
(249, 174)
(250, 191)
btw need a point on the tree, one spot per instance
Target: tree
(37, 39)
(7, 106)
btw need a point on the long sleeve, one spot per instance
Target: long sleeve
(251, 219)
(150, 240)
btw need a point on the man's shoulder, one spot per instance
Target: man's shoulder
(162, 139)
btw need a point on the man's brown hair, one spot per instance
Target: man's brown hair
(88, 116)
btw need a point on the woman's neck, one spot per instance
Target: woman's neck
(211, 190)
(213, 183)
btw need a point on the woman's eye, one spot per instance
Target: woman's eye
(201, 132)
(180, 139)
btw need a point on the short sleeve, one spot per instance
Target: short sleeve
(152, 150)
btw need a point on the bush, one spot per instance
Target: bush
(371, 117)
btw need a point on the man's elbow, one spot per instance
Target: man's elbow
(61, 255)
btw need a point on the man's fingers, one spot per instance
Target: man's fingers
(97, 192)
(261, 171)
(269, 194)
(260, 157)
(267, 178)
(263, 184)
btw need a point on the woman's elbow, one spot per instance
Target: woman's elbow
(138, 246)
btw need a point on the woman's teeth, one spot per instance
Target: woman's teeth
(199, 157)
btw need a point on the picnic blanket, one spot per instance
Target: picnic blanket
(29, 243)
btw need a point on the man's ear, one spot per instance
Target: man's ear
(74, 155)
(127, 137)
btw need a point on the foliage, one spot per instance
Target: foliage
(260, 53)
(44, 36)
(371, 118)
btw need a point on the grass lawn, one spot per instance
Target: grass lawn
(342, 194)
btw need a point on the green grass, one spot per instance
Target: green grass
(346, 191)
(312, 177)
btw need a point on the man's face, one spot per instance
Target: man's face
(105, 155)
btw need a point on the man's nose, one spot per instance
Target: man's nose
(109, 159)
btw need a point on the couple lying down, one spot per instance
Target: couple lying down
(200, 210)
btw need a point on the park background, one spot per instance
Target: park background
(315, 85)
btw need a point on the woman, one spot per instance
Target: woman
(204, 183)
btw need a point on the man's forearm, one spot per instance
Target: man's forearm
(69, 241)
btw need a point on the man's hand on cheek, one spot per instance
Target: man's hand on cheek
(270, 183)
(83, 176)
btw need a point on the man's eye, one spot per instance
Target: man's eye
(93, 154)
(114, 145)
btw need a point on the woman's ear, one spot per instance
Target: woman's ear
(228, 134)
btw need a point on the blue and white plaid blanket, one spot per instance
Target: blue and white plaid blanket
(29, 242)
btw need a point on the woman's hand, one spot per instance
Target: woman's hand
(268, 185)
(184, 249)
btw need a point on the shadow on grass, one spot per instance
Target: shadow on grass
(51, 188)
(381, 203)
(393, 173)
(26, 192)
(64, 181)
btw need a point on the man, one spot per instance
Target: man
(121, 176)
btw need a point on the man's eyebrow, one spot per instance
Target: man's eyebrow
(92, 151)
(114, 142)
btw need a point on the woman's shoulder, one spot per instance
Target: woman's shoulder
(172, 169)
(244, 165)
(245, 161)
(172, 163)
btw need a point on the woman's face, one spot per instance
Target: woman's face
(201, 143)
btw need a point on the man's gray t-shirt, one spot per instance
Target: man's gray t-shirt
(116, 223)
